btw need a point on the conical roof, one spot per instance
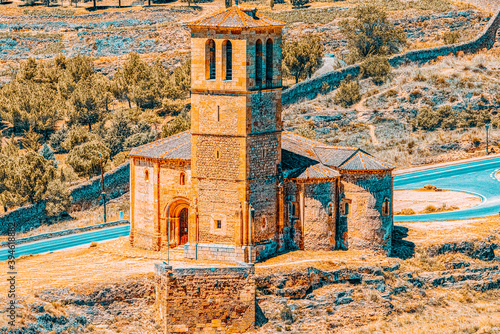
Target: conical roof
(236, 17)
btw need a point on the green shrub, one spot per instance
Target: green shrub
(299, 3)
(179, 124)
(426, 119)
(348, 93)
(306, 130)
(287, 315)
(451, 37)
(120, 158)
(377, 67)
(57, 139)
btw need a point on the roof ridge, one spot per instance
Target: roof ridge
(319, 171)
(382, 162)
(362, 161)
(348, 159)
(225, 16)
(240, 14)
(203, 18)
(271, 19)
(157, 142)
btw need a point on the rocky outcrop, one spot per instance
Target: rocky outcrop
(475, 249)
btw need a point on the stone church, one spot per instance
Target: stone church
(237, 187)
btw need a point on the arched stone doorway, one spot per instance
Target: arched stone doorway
(178, 222)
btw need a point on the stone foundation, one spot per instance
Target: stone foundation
(215, 252)
(205, 300)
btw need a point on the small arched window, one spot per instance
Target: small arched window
(345, 206)
(146, 176)
(386, 207)
(330, 209)
(210, 59)
(264, 222)
(269, 63)
(182, 179)
(258, 63)
(228, 59)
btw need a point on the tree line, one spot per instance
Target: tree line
(68, 94)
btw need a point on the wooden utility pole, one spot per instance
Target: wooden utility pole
(103, 194)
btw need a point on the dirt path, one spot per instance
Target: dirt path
(364, 118)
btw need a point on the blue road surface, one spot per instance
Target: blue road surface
(476, 178)
(68, 241)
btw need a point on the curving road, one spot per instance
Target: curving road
(476, 178)
(73, 240)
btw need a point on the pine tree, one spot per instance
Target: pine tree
(119, 131)
(302, 57)
(371, 33)
(58, 198)
(84, 158)
(46, 152)
(57, 138)
(31, 140)
(77, 136)
(86, 103)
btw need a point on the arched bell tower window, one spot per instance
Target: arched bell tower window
(269, 63)
(258, 63)
(227, 51)
(210, 59)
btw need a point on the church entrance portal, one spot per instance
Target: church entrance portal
(177, 214)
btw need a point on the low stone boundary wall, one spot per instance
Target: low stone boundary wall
(67, 232)
(310, 88)
(205, 300)
(116, 183)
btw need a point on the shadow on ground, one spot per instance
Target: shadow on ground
(402, 249)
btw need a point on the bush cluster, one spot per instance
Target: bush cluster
(446, 118)
(348, 93)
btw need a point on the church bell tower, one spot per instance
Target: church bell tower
(236, 134)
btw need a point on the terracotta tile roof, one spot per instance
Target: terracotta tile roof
(318, 171)
(176, 147)
(236, 17)
(338, 157)
(363, 161)
(301, 157)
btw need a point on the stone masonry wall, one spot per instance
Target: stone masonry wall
(319, 226)
(143, 231)
(205, 300)
(309, 89)
(367, 228)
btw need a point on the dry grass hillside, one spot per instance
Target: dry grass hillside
(384, 122)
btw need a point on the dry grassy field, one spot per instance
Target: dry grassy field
(57, 279)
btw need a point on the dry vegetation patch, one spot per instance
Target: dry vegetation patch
(419, 201)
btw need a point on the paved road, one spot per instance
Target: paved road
(476, 177)
(54, 244)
